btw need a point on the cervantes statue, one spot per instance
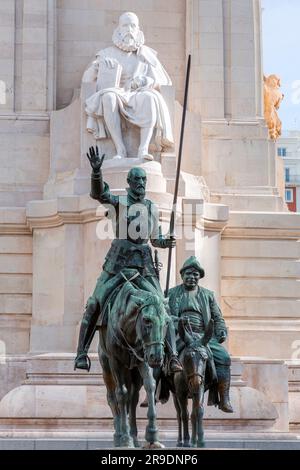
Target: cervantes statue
(128, 78)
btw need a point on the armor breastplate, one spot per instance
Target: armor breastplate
(124, 253)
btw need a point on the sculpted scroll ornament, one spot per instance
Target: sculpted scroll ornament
(272, 100)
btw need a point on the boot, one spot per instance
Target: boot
(86, 334)
(82, 361)
(223, 389)
(174, 364)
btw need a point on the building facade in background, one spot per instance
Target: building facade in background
(288, 147)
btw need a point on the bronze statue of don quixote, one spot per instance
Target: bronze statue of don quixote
(148, 337)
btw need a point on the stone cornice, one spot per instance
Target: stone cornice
(25, 116)
(263, 225)
(262, 233)
(214, 225)
(63, 218)
(49, 214)
(14, 229)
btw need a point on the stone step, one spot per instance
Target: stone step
(212, 442)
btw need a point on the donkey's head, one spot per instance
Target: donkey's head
(195, 354)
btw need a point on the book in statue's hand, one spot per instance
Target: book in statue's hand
(108, 77)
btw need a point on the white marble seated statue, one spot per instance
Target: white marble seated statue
(128, 78)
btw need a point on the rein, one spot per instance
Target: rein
(196, 349)
(144, 345)
(127, 346)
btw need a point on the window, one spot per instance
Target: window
(287, 174)
(281, 152)
(289, 197)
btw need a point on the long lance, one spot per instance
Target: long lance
(173, 213)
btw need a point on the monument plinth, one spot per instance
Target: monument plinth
(242, 232)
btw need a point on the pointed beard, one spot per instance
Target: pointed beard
(127, 43)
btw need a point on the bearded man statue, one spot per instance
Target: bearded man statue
(128, 78)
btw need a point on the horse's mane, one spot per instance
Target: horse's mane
(152, 299)
(119, 307)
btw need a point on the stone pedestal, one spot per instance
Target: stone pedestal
(260, 291)
(54, 401)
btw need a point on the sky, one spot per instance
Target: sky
(281, 40)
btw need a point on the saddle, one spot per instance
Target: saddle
(103, 316)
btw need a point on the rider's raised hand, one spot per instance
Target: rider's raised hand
(94, 159)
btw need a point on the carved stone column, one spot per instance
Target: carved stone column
(199, 234)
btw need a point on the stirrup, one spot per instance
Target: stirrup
(80, 356)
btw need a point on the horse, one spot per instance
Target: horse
(190, 383)
(130, 345)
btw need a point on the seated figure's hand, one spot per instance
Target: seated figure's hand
(138, 82)
(94, 159)
(142, 81)
(222, 337)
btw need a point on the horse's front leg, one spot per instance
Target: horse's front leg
(111, 395)
(122, 395)
(134, 399)
(151, 435)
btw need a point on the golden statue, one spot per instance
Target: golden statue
(272, 100)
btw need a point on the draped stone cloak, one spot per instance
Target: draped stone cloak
(130, 102)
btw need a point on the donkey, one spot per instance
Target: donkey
(190, 383)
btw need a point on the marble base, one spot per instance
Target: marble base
(55, 398)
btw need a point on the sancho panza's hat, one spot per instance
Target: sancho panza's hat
(192, 262)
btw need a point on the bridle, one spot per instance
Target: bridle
(197, 349)
(151, 343)
(131, 349)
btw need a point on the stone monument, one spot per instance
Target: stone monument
(229, 201)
